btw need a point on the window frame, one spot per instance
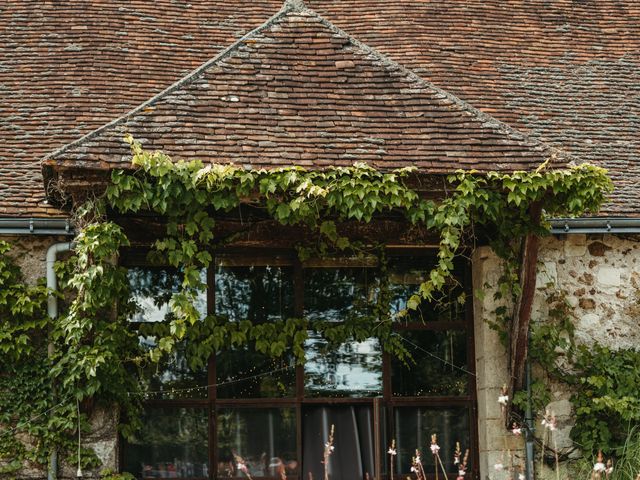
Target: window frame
(383, 406)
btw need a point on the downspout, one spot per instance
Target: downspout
(529, 426)
(52, 310)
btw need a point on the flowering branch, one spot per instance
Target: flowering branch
(416, 467)
(392, 453)
(328, 450)
(462, 465)
(435, 449)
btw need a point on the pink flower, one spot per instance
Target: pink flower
(435, 448)
(499, 467)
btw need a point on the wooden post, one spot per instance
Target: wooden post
(524, 304)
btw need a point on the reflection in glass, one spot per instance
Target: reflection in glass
(332, 294)
(354, 369)
(172, 375)
(353, 457)
(405, 276)
(172, 443)
(256, 293)
(263, 439)
(152, 288)
(430, 375)
(413, 428)
(242, 374)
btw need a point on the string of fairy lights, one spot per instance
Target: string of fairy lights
(148, 394)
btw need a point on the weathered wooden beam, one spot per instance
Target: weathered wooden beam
(524, 303)
(266, 233)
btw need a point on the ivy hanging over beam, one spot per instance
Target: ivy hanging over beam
(97, 354)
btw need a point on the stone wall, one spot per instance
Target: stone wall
(30, 253)
(600, 276)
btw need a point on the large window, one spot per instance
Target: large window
(247, 414)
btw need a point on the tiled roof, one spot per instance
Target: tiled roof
(69, 66)
(565, 72)
(300, 91)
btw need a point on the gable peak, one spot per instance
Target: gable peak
(294, 5)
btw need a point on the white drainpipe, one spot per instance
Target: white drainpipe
(52, 310)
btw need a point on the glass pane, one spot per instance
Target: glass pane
(413, 428)
(151, 289)
(352, 370)
(249, 374)
(406, 273)
(332, 294)
(256, 293)
(261, 440)
(173, 442)
(172, 378)
(439, 358)
(353, 455)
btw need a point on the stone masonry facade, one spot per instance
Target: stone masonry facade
(599, 274)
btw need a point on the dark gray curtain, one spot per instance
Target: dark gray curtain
(352, 458)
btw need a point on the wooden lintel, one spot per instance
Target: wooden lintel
(265, 233)
(524, 303)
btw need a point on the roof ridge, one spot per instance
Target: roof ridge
(485, 118)
(288, 6)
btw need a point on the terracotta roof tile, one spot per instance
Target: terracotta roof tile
(68, 66)
(299, 90)
(566, 71)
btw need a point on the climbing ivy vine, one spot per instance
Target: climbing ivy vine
(97, 355)
(604, 383)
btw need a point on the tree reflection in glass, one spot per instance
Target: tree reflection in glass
(172, 376)
(262, 439)
(435, 374)
(412, 425)
(406, 273)
(152, 288)
(353, 369)
(244, 373)
(333, 294)
(173, 442)
(256, 293)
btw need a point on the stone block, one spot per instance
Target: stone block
(575, 246)
(547, 274)
(609, 276)
(561, 408)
